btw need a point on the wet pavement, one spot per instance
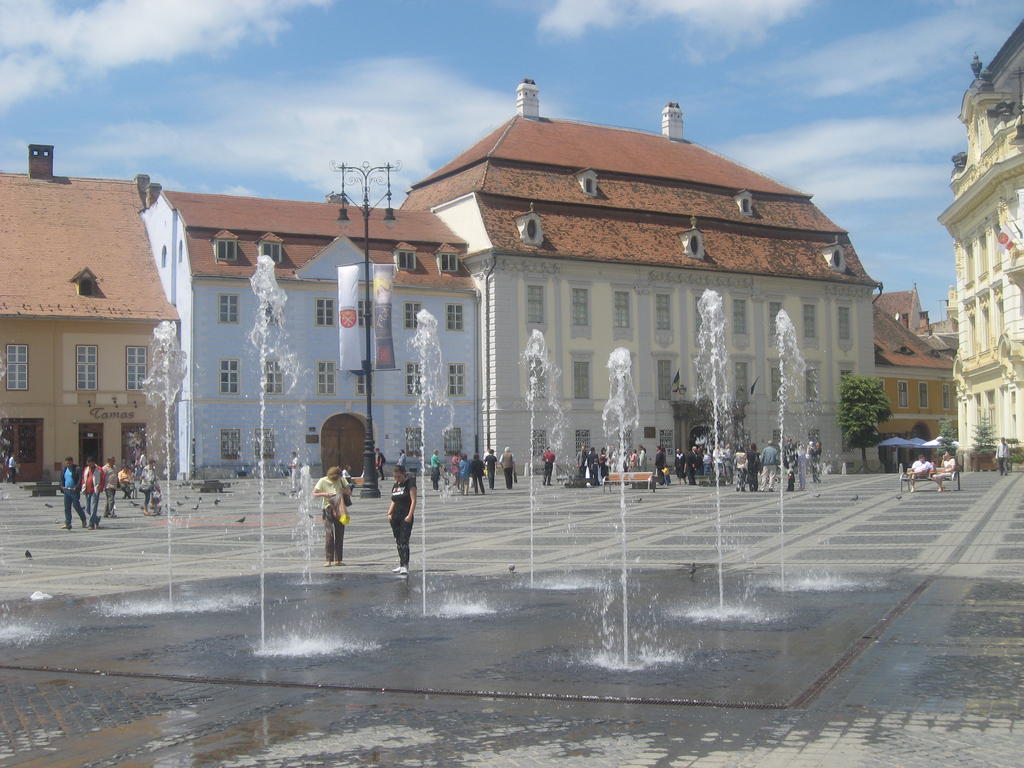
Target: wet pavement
(898, 641)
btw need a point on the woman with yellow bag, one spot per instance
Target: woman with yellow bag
(336, 494)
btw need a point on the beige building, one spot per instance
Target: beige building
(78, 303)
(985, 221)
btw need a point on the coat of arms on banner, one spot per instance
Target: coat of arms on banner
(347, 318)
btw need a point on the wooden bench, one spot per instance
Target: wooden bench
(907, 480)
(639, 480)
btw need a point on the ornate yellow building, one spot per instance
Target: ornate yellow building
(985, 221)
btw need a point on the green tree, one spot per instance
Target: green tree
(863, 405)
(948, 431)
(984, 437)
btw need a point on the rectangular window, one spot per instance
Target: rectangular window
(413, 440)
(843, 323)
(412, 379)
(226, 250)
(664, 379)
(364, 311)
(407, 260)
(17, 366)
(457, 379)
(620, 309)
(774, 307)
(229, 377)
(85, 366)
(230, 443)
(449, 263)
(902, 394)
(453, 317)
(922, 394)
(739, 317)
(135, 368)
(775, 383)
(453, 440)
(410, 310)
(535, 304)
(227, 308)
(263, 443)
(946, 398)
(582, 439)
(326, 376)
(271, 249)
(810, 322)
(662, 312)
(324, 317)
(581, 379)
(361, 384)
(581, 307)
(741, 376)
(811, 384)
(273, 378)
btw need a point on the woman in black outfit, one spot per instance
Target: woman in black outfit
(400, 515)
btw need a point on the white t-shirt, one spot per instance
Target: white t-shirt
(922, 466)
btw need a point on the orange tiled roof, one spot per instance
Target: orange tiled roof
(581, 232)
(897, 346)
(51, 230)
(575, 145)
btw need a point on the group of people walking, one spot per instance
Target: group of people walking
(94, 482)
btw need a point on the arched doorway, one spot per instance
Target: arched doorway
(699, 435)
(341, 442)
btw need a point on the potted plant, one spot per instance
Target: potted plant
(983, 450)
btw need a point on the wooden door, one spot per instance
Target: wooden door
(341, 443)
(24, 438)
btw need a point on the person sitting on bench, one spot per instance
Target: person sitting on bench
(920, 470)
(944, 472)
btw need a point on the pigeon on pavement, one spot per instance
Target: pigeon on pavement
(28, 555)
(241, 519)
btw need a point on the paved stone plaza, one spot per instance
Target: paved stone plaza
(929, 672)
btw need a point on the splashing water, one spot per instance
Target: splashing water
(162, 385)
(323, 645)
(276, 364)
(712, 364)
(433, 393)
(542, 385)
(791, 371)
(620, 416)
(305, 523)
(147, 607)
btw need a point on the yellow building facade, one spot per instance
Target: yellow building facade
(985, 222)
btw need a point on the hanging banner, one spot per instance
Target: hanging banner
(383, 278)
(351, 347)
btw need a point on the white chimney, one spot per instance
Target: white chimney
(528, 99)
(672, 121)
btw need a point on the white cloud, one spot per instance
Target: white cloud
(870, 158)
(902, 54)
(711, 22)
(381, 110)
(44, 46)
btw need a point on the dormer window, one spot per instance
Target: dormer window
(530, 230)
(225, 246)
(86, 282)
(834, 257)
(447, 259)
(270, 245)
(745, 202)
(588, 182)
(693, 241)
(405, 257)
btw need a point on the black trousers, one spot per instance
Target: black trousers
(508, 477)
(478, 484)
(548, 466)
(402, 531)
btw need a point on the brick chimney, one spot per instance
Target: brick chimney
(153, 193)
(528, 99)
(40, 161)
(672, 122)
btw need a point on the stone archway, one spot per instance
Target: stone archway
(341, 442)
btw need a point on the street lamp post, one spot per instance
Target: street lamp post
(363, 178)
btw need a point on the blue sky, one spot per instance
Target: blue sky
(854, 102)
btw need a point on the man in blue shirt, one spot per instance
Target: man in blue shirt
(71, 479)
(770, 462)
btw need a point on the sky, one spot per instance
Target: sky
(856, 103)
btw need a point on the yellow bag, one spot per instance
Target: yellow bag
(344, 518)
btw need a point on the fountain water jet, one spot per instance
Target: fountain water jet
(275, 363)
(791, 369)
(542, 382)
(433, 393)
(305, 524)
(712, 364)
(621, 414)
(162, 385)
